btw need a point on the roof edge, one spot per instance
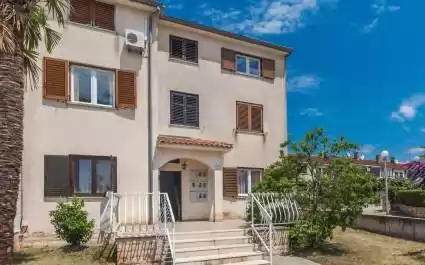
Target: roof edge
(226, 33)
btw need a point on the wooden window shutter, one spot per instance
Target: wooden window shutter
(104, 15)
(256, 118)
(176, 47)
(191, 51)
(81, 11)
(56, 176)
(114, 172)
(228, 59)
(192, 110)
(126, 93)
(56, 80)
(242, 116)
(230, 183)
(268, 69)
(177, 108)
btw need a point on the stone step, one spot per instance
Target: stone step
(216, 241)
(209, 234)
(251, 262)
(221, 258)
(212, 250)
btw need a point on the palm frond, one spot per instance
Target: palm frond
(51, 38)
(31, 67)
(58, 9)
(8, 40)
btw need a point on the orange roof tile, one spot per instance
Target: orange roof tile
(180, 140)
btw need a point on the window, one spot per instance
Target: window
(183, 49)
(247, 178)
(92, 86)
(94, 13)
(79, 175)
(249, 117)
(184, 109)
(247, 65)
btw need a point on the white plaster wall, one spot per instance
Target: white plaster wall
(52, 128)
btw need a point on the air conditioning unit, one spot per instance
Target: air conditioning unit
(134, 39)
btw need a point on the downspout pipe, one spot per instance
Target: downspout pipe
(150, 130)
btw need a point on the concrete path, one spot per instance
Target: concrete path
(289, 260)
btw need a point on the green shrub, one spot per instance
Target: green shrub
(71, 223)
(310, 233)
(414, 198)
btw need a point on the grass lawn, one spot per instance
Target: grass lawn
(61, 256)
(364, 248)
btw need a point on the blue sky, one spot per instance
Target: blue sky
(358, 67)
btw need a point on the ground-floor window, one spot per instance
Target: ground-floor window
(79, 175)
(247, 178)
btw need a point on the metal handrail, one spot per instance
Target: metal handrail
(269, 220)
(171, 241)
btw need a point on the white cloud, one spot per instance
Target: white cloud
(265, 16)
(408, 108)
(178, 6)
(416, 150)
(311, 112)
(367, 148)
(422, 130)
(379, 7)
(369, 27)
(303, 83)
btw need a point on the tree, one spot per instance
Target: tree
(334, 193)
(23, 26)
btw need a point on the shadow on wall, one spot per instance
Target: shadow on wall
(142, 250)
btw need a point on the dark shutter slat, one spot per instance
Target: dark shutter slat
(228, 59)
(242, 116)
(104, 15)
(191, 51)
(80, 11)
(126, 93)
(230, 183)
(55, 79)
(256, 118)
(177, 108)
(176, 48)
(56, 176)
(268, 70)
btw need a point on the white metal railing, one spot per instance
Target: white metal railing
(269, 210)
(136, 213)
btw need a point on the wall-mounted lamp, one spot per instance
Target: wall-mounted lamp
(184, 165)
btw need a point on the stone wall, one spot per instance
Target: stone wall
(411, 211)
(397, 226)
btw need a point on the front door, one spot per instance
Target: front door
(170, 182)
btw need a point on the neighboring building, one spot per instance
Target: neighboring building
(217, 116)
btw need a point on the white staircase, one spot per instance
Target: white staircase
(230, 246)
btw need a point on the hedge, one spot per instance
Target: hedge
(415, 198)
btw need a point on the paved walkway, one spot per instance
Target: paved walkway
(289, 260)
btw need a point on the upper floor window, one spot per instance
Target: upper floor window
(233, 61)
(184, 109)
(248, 65)
(247, 178)
(74, 82)
(94, 13)
(249, 117)
(91, 85)
(67, 175)
(183, 49)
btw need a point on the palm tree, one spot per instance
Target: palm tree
(23, 26)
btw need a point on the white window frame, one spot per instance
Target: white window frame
(247, 58)
(249, 170)
(93, 85)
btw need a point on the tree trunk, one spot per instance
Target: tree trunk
(11, 146)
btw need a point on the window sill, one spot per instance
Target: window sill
(249, 132)
(91, 105)
(69, 199)
(171, 59)
(92, 27)
(248, 76)
(184, 126)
